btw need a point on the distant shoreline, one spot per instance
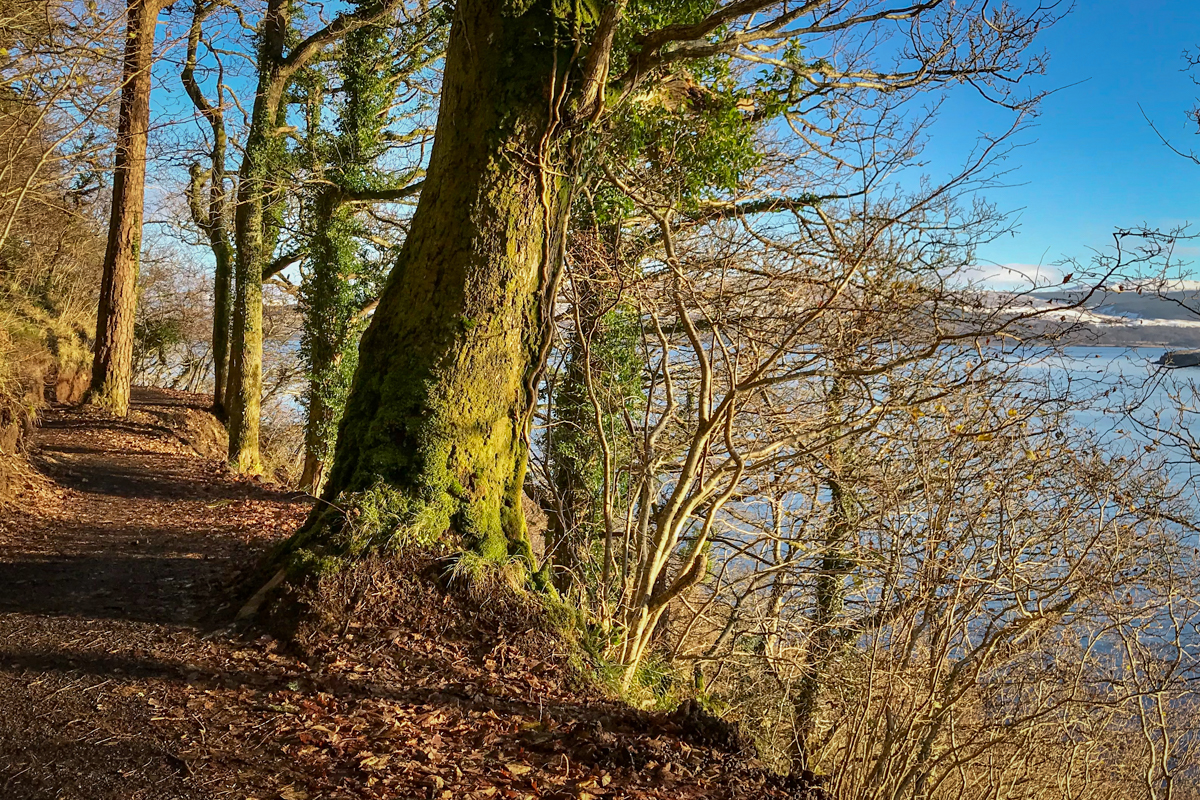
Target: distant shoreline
(1163, 337)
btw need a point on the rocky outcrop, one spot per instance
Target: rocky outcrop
(1173, 359)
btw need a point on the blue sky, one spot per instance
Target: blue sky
(1091, 162)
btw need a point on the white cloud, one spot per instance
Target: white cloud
(1009, 277)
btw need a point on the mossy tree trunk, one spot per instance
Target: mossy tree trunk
(600, 381)
(254, 235)
(573, 452)
(258, 219)
(112, 366)
(433, 439)
(244, 394)
(342, 281)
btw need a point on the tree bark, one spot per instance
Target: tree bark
(433, 439)
(222, 297)
(112, 365)
(244, 393)
(255, 242)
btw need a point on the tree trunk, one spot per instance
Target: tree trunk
(319, 426)
(331, 330)
(218, 237)
(222, 289)
(244, 396)
(312, 474)
(253, 231)
(572, 449)
(112, 366)
(433, 439)
(211, 216)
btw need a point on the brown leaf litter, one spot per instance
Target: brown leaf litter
(120, 679)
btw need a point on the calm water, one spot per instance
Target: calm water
(1123, 396)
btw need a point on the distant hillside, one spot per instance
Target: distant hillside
(1124, 315)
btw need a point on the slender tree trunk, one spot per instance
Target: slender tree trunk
(222, 248)
(211, 216)
(312, 474)
(828, 638)
(112, 366)
(257, 193)
(572, 454)
(324, 339)
(244, 396)
(433, 439)
(222, 297)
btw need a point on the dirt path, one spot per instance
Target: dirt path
(118, 680)
(105, 575)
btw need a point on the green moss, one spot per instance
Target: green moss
(306, 563)
(431, 445)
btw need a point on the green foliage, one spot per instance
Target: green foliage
(331, 300)
(693, 154)
(377, 520)
(779, 87)
(648, 15)
(305, 563)
(344, 274)
(658, 683)
(37, 344)
(483, 574)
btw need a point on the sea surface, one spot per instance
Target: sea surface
(1129, 403)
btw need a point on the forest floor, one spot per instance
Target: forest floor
(120, 676)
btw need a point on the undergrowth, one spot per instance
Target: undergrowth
(36, 345)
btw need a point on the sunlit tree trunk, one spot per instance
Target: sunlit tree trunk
(255, 237)
(112, 366)
(211, 215)
(433, 437)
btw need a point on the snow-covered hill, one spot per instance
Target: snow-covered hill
(1149, 314)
